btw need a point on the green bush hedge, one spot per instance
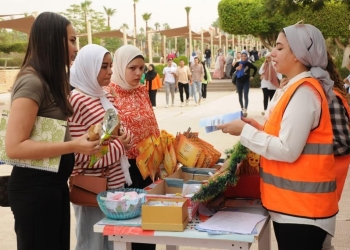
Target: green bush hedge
(159, 69)
(156, 59)
(177, 60)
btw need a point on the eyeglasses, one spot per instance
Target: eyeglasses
(301, 22)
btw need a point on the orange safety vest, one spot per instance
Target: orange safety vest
(341, 162)
(306, 187)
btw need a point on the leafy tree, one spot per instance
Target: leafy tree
(80, 14)
(216, 23)
(241, 17)
(289, 6)
(109, 12)
(125, 25)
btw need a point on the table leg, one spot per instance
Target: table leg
(121, 245)
(169, 247)
(265, 237)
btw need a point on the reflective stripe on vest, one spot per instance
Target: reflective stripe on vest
(298, 186)
(318, 149)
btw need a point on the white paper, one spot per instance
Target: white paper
(211, 123)
(234, 222)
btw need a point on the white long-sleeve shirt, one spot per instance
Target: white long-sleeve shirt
(266, 83)
(301, 115)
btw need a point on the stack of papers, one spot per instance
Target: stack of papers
(226, 222)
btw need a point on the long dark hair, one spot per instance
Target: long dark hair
(151, 74)
(334, 75)
(47, 56)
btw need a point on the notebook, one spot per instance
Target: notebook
(44, 130)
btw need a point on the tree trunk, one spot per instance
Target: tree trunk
(146, 45)
(108, 20)
(135, 31)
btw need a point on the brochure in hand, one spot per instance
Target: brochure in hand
(210, 123)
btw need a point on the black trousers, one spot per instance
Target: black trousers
(182, 87)
(152, 96)
(139, 182)
(268, 94)
(204, 90)
(298, 236)
(40, 205)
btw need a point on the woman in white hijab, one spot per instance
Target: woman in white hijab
(135, 108)
(298, 181)
(92, 69)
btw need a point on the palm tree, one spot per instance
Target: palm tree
(135, 2)
(166, 26)
(85, 6)
(125, 25)
(109, 12)
(157, 25)
(146, 17)
(188, 15)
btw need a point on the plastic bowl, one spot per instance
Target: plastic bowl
(121, 210)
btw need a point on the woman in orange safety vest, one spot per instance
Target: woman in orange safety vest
(298, 178)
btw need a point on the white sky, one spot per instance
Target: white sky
(203, 12)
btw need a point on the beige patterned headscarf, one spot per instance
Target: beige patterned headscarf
(122, 57)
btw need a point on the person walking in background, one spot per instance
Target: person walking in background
(153, 83)
(207, 55)
(219, 72)
(169, 80)
(298, 133)
(229, 59)
(183, 77)
(39, 199)
(243, 68)
(92, 71)
(135, 109)
(269, 80)
(142, 81)
(197, 72)
(205, 81)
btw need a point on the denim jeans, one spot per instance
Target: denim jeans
(198, 87)
(169, 88)
(243, 87)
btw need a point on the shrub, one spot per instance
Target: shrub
(256, 82)
(177, 60)
(156, 59)
(159, 69)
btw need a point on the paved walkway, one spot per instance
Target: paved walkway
(178, 119)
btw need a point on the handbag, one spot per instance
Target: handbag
(4, 199)
(234, 78)
(84, 189)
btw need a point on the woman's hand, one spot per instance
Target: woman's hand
(124, 138)
(233, 128)
(82, 145)
(252, 123)
(251, 78)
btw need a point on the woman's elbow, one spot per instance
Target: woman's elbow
(11, 152)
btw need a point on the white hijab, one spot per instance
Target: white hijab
(84, 72)
(122, 57)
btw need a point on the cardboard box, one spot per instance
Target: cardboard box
(168, 188)
(197, 174)
(166, 217)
